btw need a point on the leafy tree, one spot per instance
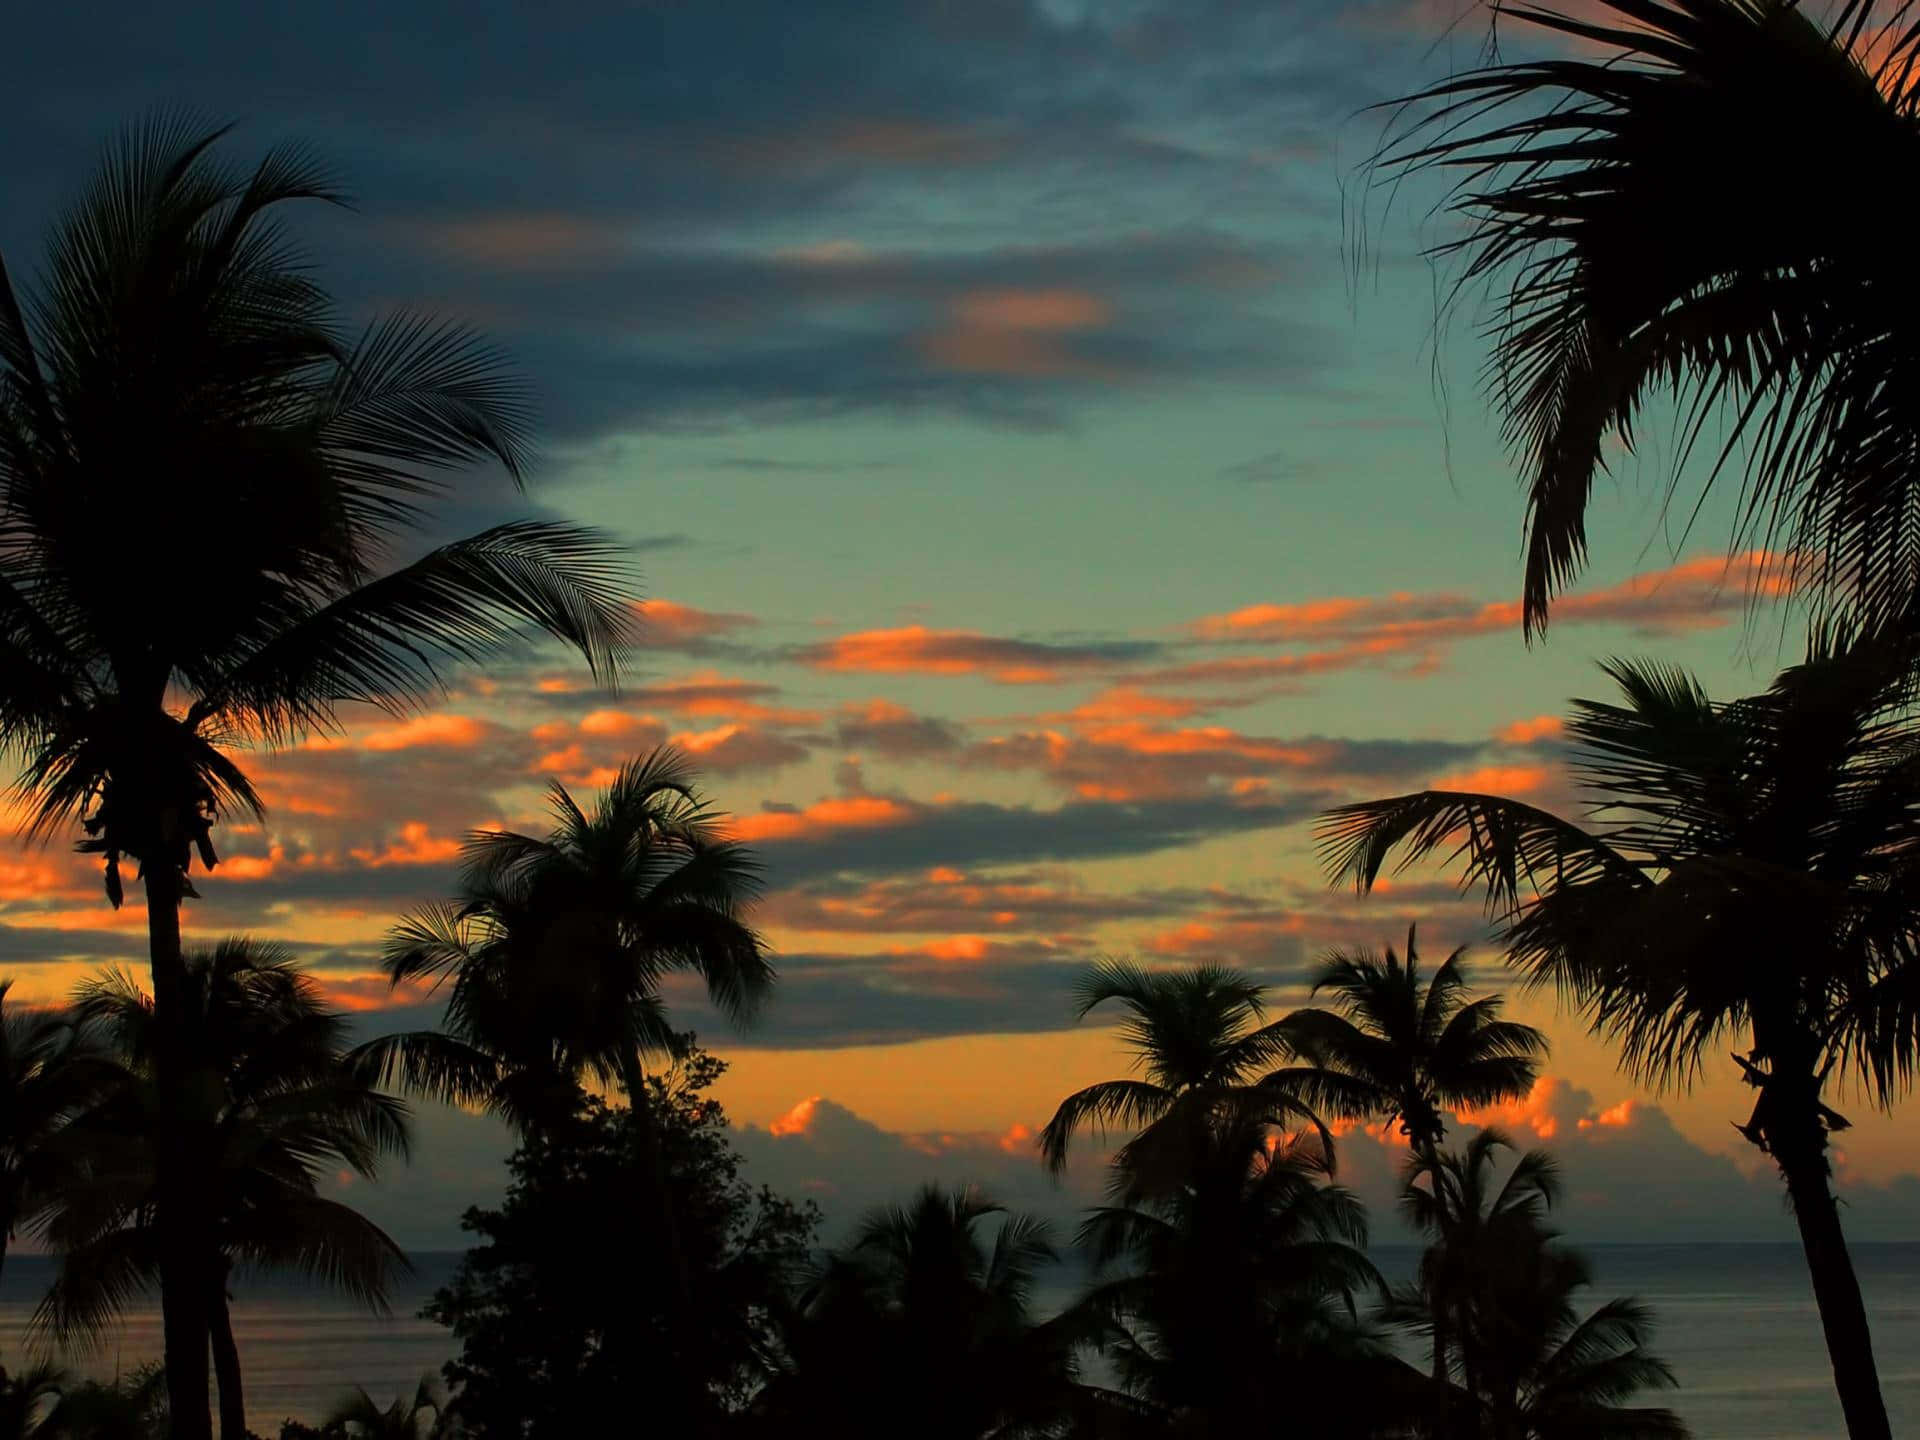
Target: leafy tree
(928, 1313)
(1390, 1048)
(50, 1073)
(1201, 1047)
(1651, 220)
(1748, 878)
(211, 495)
(564, 1310)
(275, 1109)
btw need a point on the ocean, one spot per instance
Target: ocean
(1736, 1323)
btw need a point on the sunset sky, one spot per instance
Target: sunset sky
(1051, 485)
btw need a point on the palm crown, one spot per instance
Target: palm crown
(556, 948)
(1201, 1046)
(1652, 221)
(1395, 1049)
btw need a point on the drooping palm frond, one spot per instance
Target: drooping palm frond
(1649, 221)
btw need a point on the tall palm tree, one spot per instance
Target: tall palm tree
(1749, 877)
(209, 497)
(928, 1314)
(1393, 1049)
(1652, 221)
(51, 1072)
(1201, 1047)
(277, 1107)
(554, 951)
(1238, 1291)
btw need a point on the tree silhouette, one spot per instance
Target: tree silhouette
(51, 1073)
(1201, 1047)
(1748, 877)
(1530, 1363)
(211, 495)
(1393, 1049)
(1651, 221)
(1239, 1289)
(928, 1313)
(555, 948)
(275, 1108)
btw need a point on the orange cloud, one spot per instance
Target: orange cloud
(1019, 333)
(416, 845)
(916, 649)
(524, 240)
(798, 1120)
(1495, 780)
(458, 732)
(666, 625)
(1527, 732)
(844, 812)
(1697, 594)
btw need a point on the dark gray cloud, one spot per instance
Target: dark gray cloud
(979, 832)
(683, 215)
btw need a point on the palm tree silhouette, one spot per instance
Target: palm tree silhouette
(277, 1107)
(1218, 1297)
(928, 1313)
(422, 1416)
(554, 951)
(51, 1073)
(1393, 1049)
(1201, 1046)
(213, 500)
(1747, 877)
(1652, 220)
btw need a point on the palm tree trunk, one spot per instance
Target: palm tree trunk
(1799, 1147)
(226, 1361)
(1442, 1336)
(179, 1215)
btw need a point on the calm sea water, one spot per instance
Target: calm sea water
(1736, 1322)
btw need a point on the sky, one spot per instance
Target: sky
(1054, 479)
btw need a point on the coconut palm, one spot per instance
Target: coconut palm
(277, 1108)
(211, 500)
(1651, 221)
(554, 952)
(1213, 1299)
(1201, 1046)
(928, 1313)
(1747, 878)
(28, 1401)
(50, 1073)
(1394, 1049)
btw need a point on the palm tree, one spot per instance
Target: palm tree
(210, 496)
(277, 1108)
(556, 947)
(1748, 876)
(928, 1313)
(28, 1400)
(1392, 1049)
(1653, 221)
(1201, 1047)
(50, 1073)
(1547, 1371)
(1473, 1226)
(422, 1417)
(1218, 1297)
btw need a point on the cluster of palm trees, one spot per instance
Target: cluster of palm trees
(1228, 1287)
(215, 504)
